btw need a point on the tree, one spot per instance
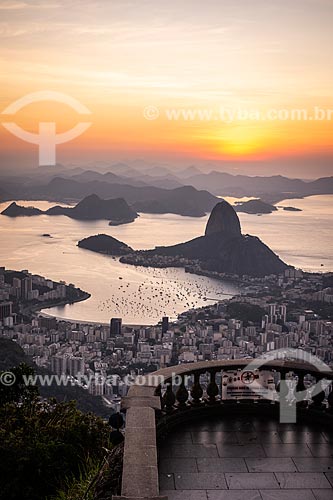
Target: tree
(13, 388)
(43, 442)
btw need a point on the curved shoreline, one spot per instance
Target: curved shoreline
(39, 308)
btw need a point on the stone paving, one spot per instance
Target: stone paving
(248, 459)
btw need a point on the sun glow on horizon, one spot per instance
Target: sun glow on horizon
(117, 59)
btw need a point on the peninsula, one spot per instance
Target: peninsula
(222, 249)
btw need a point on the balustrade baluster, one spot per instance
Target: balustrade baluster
(158, 393)
(212, 388)
(330, 399)
(196, 391)
(300, 387)
(182, 394)
(169, 398)
(319, 396)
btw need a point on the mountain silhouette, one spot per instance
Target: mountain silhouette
(225, 249)
(222, 249)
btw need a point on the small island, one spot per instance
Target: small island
(292, 209)
(255, 207)
(102, 243)
(121, 222)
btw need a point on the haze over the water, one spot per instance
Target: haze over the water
(137, 65)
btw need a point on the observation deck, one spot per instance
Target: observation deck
(194, 442)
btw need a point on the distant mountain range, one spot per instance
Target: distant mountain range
(222, 249)
(270, 189)
(4, 195)
(185, 200)
(155, 189)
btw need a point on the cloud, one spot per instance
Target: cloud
(10, 5)
(13, 5)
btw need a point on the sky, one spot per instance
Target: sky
(244, 86)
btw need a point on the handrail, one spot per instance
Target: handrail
(278, 365)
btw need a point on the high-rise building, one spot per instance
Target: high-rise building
(59, 364)
(6, 310)
(26, 287)
(75, 366)
(115, 327)
(17, 288)
(96, 388)
(277, 313)
(48, 323)
(283, 313)
(165, 324)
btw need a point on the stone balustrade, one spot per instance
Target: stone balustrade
(154, 405)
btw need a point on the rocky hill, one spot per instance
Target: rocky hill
(15, 210)
(223, 219)
(224, 249)
(94, 208)
(90, 208)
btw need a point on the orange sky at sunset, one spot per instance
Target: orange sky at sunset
(119, 58)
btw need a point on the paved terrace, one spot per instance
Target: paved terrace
(247, 458)
(239, 450)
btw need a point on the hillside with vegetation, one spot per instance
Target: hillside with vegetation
(11, 354)
(50, 445)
